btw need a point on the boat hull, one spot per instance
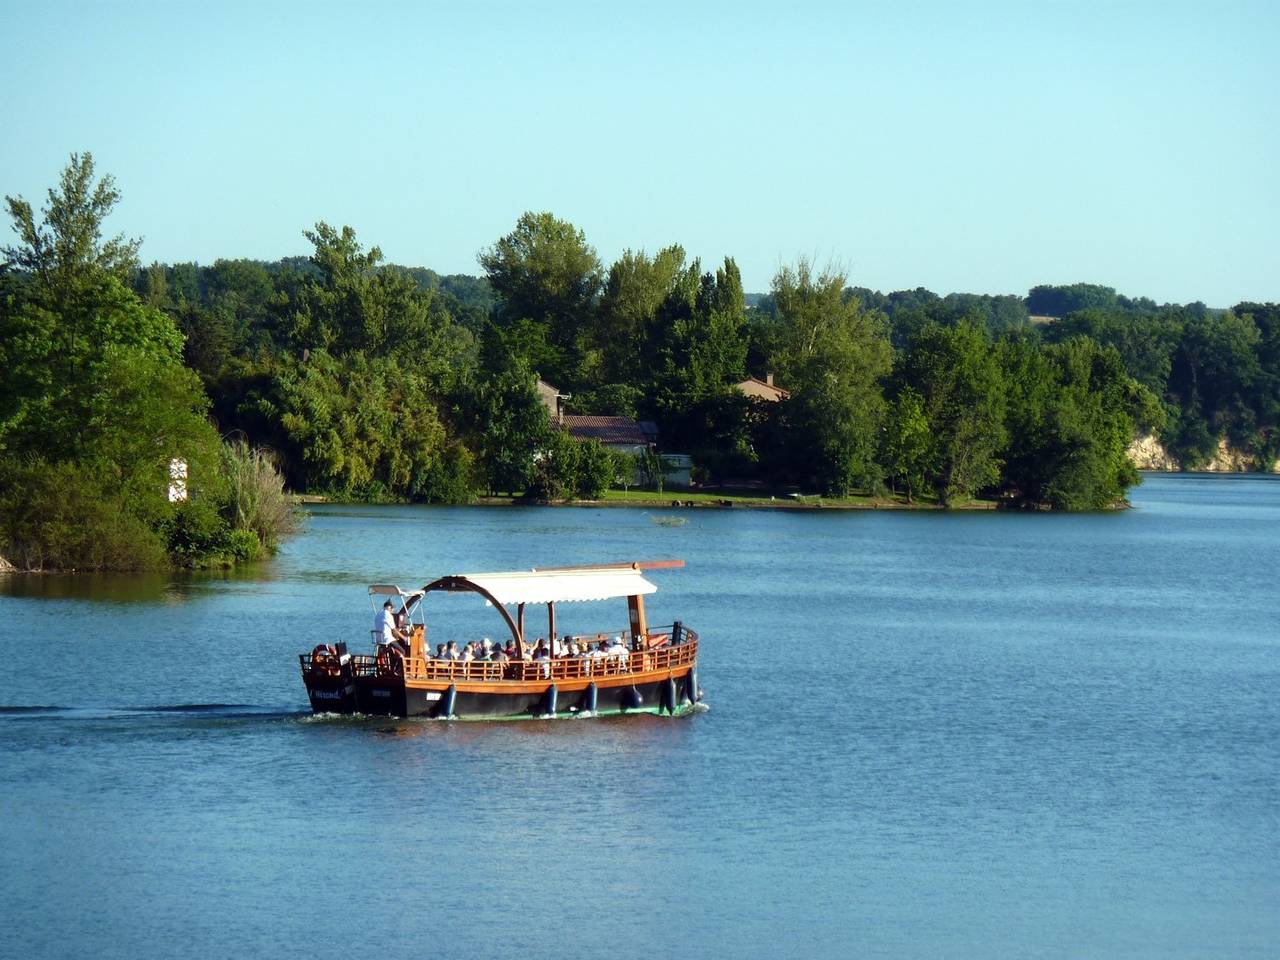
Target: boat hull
(673, 693)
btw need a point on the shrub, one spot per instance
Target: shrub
(256, 500)
(68, 516)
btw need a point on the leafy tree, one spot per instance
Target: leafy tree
(364, 427)
(96, 395)
(956, 374)
(64, 253)
(507, 417)
(906, 445)
(1058, 301)
(634, 291)
(545, 271)
(834, 357)
(566, 469)
(1214, 381)
(1070, 420)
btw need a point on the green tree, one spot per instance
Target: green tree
(95, 390)
(956, 374)
(545, 271)
(906, 444)
(835, 355)
(507, 416)
(64, 253)
(634, 290)
(1070, 420)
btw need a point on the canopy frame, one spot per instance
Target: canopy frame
(462, 583)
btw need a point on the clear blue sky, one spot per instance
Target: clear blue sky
(972, 147)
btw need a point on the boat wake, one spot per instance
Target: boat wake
(232, 711)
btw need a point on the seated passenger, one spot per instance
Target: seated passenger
(440, 652)
(541, 653)
(498, 655)
(451, 651)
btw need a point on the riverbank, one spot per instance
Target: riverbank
(685, 499)
(719, 499)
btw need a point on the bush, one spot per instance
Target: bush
(243, 546)
(197, 535)
(596, 470)
(256, 500)
(68, 516)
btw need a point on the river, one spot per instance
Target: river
(928, 735)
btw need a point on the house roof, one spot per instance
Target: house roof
(754, 387)
(618, 430)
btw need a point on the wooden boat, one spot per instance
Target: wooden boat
(654, 670)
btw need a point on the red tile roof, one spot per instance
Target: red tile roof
(620, 430)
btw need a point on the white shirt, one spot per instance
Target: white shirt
(383, 623)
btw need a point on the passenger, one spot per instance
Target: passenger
(440, 652)
(571, 650)
(499, 655)
(451, 651)
(617, 652)
(511, 650)
(541, 652)
(468, 653)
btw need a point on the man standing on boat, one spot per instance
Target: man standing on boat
(384, 627)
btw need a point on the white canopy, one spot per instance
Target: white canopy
(560, 586)
(391, 590)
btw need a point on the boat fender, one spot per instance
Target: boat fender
(669, 696)
(590, 700)
(552, 696)
(631, 700)
(447, 704)
(691, 686)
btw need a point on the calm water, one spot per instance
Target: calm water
(929, 736)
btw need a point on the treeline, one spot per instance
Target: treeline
(368, 380)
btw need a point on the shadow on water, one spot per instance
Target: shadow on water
(139, 587)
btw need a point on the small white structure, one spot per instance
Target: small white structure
(177, 480)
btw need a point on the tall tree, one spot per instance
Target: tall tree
(545, 271)
(65, 250)
(835, 355)
(634, 291)
(1071, 413)
(955, 372)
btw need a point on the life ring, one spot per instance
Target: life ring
(324, 660)
(390, 662)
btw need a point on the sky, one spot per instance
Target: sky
(976, 147)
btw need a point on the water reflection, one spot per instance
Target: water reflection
(143, 587)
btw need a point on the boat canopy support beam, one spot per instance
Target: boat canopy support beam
(463, 585)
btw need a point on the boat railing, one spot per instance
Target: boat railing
(666, 657)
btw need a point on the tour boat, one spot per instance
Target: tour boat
(652, 669)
